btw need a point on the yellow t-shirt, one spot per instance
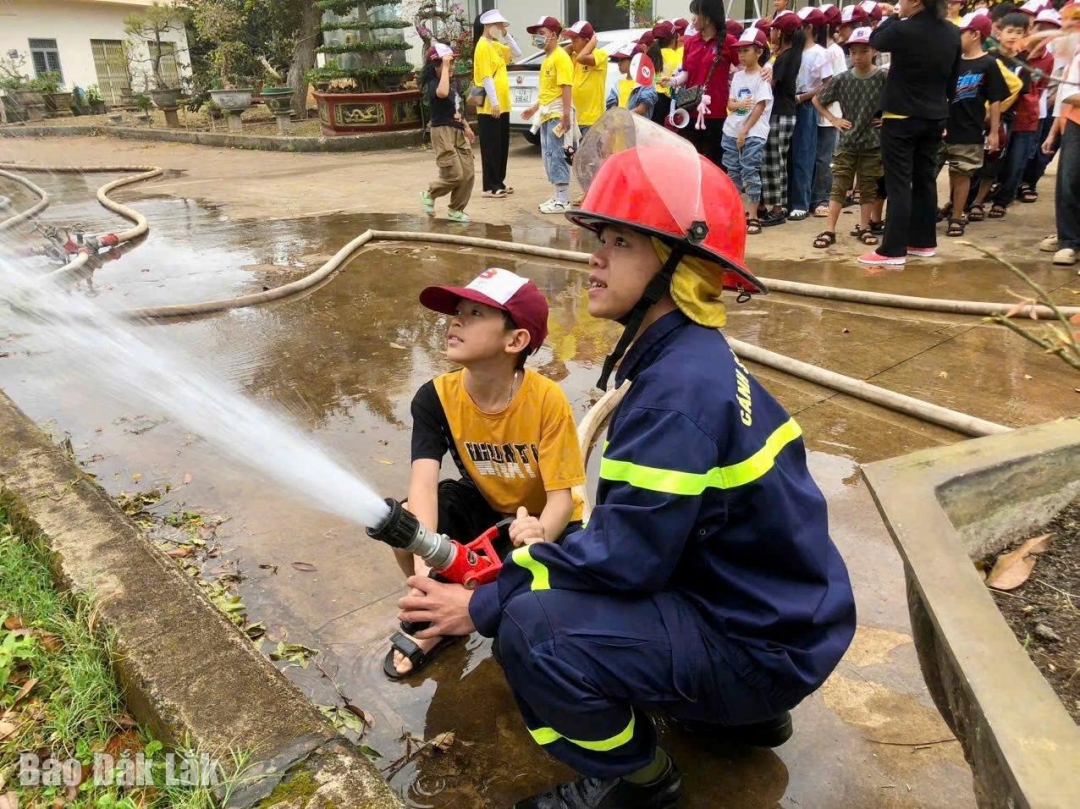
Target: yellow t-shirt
(626, 87)
(514, 457)
(590, 88)
(556, 70)
(672, 60)
(489, 61)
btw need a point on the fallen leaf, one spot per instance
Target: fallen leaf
(49, 640)
(293, 653)
(444, 741)
(13, 622)
(28, 686)
(6, 729)
(137, 477)
(181, 552)
(398, 347)
(943, 375)
(304, 567)
(9, 800)
(1014, 568)
(187, 479)
(367, 718)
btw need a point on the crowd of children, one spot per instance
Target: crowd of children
(814, 120)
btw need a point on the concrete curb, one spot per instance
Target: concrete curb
(269, 143)
(189, 675)
(945, 507)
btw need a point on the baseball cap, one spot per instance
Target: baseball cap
(980, 23)
(811, 16)
(492, 17)
(681, 25)
(853, 14)
(753, 36)
(549, 23)
(582, 28)
(860, 36)
(518, 297)
(872, 9)
(663, 30)
(831, 14)
(787, 22)
(646, 39)
(763, 24)
(437, 52)
(1049, 15)
(734, 27)
(1032, 7)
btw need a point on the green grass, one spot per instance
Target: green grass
(75, 708)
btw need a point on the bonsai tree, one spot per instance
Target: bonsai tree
(364, 55)
(451, 26)
(152, 27)
(231, 57)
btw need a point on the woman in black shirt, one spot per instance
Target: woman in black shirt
(788, 37)
(925, 59)
(450, 135)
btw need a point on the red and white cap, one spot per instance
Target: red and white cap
(872, 9)
(663, 30)
(787, 22)
(753, 36)
(1032, 7)
(549, 23)
(831, 14)
(811, 16)
(437, 52)
(979, 23)
(582, 28)
(1049, 16)
(681, 25)
(501, 289)
(853, 15)
(860, 36)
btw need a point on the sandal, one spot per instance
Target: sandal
(826, 238)
(956, 227)
(753, 227)
(1027, 194)
(877, 228)
(996, 212)
(867, 237)
(773, 218)
(420, 659)
(798, 215)
(496, 194)
(976, 213)
(821, 211)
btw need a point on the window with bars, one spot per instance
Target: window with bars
(46, 57)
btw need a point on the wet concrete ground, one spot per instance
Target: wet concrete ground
(344, 362)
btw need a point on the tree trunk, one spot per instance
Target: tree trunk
(303, 58)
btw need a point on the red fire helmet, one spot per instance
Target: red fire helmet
(642, 176)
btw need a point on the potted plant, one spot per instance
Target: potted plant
(21, 102)
(361, 87)
(151, 28)
(143, 102)
(94, 100)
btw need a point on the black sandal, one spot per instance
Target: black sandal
(867, 237)
(418, 657)
(976, 213)
(826, 238)
(944, 212)
(956, 227)
(753, 227)
(996, 212)
(773, 218)
(877, 228)
(1027, 194)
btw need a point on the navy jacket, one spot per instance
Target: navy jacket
(705, 496)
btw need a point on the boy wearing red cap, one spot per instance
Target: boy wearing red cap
(509, 430)
(856, 93)
(980, 89)
(554, 105)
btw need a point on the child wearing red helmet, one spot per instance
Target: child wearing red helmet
(705, 585)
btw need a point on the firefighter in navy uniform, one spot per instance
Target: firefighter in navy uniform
(705, 585)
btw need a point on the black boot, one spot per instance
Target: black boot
(770, 733)
(613, 793)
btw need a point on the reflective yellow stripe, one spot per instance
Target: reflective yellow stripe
(522, 558)
(671, 481)
(548, 735)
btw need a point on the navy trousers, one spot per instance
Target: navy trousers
(586, 668)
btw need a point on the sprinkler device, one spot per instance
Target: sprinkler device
(468, 565)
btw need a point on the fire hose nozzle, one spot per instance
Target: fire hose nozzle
(402, 530)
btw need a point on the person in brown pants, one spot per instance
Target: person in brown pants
(451, 136)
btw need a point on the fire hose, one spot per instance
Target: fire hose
(935, 414)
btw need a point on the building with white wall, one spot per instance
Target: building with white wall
(84, 41)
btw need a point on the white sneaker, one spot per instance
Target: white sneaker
(1049, 244)
(554, 206)
(1065, 256)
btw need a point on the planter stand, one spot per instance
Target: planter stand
(279, 101)
(354, 113)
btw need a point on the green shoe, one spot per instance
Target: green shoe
(429, 203)
(457, 216)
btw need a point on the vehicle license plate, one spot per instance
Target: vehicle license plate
(522, 95)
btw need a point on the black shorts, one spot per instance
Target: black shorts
(464, 515)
